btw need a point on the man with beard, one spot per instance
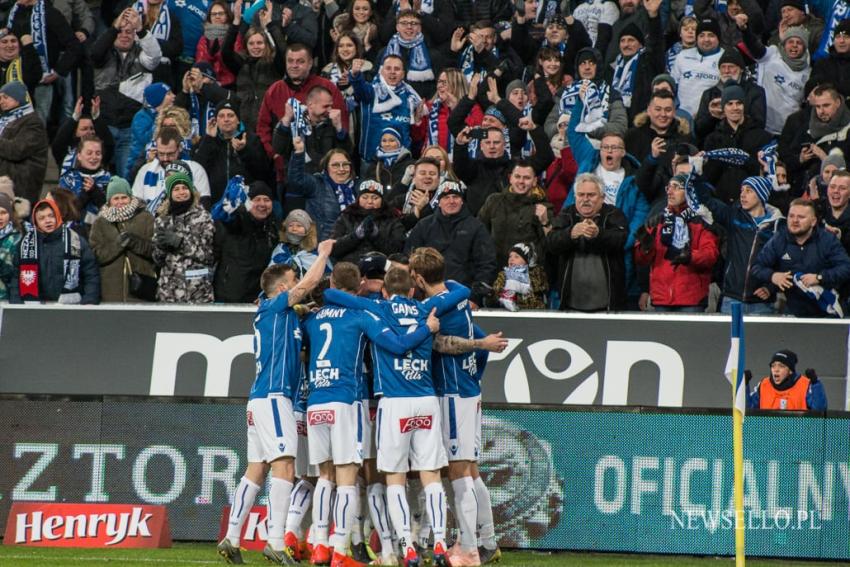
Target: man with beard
(836, 218)
(802, 259)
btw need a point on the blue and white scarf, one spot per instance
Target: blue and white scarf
(434, 126)
(418, 58)
(517, 282)
(162, 28)
(730, 156)
(73, 181)
(770, 156)
(624, 76)
(344, 191)
(334, 75)
(387, 97)
(546, 11)
(569, 97)
(235, 195)
(199, 120)
(156, 179)
(467, 62)
(527, 145)
(840, 11)
(38, 28)
(827, 299)
(675, 50)
(388, 159)
(427, 7)
(594, 112)
(300, 125)
(472, 148)
(560, 48)
(8, 117)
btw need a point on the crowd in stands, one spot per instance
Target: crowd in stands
(582, 155)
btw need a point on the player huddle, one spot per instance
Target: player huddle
(322, 425)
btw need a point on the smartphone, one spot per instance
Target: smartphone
(477, 134)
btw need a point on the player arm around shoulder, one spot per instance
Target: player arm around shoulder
(389, 340)
(313, 276)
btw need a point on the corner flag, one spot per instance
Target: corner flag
(735, 375)
(735, 363)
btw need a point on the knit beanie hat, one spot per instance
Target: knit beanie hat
(843, 27)
(786, 357)
(799, 32)
(155, 94)
(708, 25)
(258, 188)
(179, 166)
(525, 252)
(373, 266)
(761, 185)
(680, 178)
(587, 54)
(227, 105)
(178, 179)
(836, 158)
(118, 186)
(370, 186)
(634, 31)
(513, 85)
(449, 188)
(731, 92)
(16, 90)
(495, 113)
(301, 217)
(392, 132)
(733, 56)
(798, 4)
(665, 78)
(6, 204)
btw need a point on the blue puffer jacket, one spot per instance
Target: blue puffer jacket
(821, 254)
(322, 203)
(142, 132)
(629, 198)
(373, 124)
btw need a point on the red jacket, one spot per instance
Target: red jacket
(682, 284)
(560, 176)
(225, 76)
(420, 131)
(274, 103)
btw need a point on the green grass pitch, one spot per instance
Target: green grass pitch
(204, 554)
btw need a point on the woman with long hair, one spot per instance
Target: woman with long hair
(347, 48)
(451, 87)
(87, 178)
(548, 73)
(362, 19)
(209, 49)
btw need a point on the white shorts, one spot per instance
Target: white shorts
(367, 417)
(409, 435)
(303, 468)
(335, 433)
(462, 427)
(271, 429)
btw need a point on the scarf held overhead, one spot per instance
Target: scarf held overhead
(38, 28)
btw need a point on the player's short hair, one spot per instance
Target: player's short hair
(398, 282)
(272, 275)
(428, 263)
(346, 276)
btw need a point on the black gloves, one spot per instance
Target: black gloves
(125, 239)
(683, 258)
(645, 237)
(169, 240)
(812, 375)
(366, 228)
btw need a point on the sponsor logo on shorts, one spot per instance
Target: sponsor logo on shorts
(301, 427)
(408, 424)
(321, 417)
(250, 419)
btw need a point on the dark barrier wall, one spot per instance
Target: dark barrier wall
(563, 478)
(674, 361)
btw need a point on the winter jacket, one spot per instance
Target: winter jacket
(755, 107)
(186, 274)
(274, 105)
(527, 47)
(111, 70)
(23, 155)
(141, 132)
(836, 137)
(559, 179)
(468, 12)
(243, 247)
(399, 117)
(695, 72)
(222, 162)
(112, 257)
(730, 34)
(483, 176)
(511, 218)
(322, 203)
(304, 25)
(639, 144)
(391, 176)
(64, 50)
(445, 136)
(609, 245)
(834, 69)
(842, 223)
(745, 237)
(821, 253)
(8, 251)
(253, 76)
(51, 271)
(465, 244)
(680, 284)
(210, 51)
(30, 68)
(322, 139)
(727, 178)
(388, 239)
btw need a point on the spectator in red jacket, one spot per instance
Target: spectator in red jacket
(209, 49)
(681, 252)
(562, 171)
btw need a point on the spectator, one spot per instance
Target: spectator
(23, 141)
(415, 45)
(53, 262)
(732, 68)
(209, 47)
(298, 242)
(299, 80)
(326, 193)
(87, 179)
(549, 82)
(361, 19)
(833, 69)
(794, 14)
(451, 91)
(19, 60)
(588, 240)
(318, 123)
(836, 218)
(734, 131)
(494, 115)
(562, 172)
(299, 22)
(257, 65)
(191, 15)
(520, 213)
(681, 250)
(150, 185)
(806, 262)
(387, 101)
(183, 245)
(367, 225)
(200, 94)
(631, 12)
(687, 40)
(161, 23)
(123, 57)
(158, 98)
(487, 174)
(749, 224)
(782, 71)
(522, 283)
(244, 240)
(698, 65)
(730, 35)
(785, 389)
(461, 238)
(346, 49)
(598, 18)
(391, 160)
(10, 236)
(228, 150)
(417, 200)
(121, 239)
(77, 127)
(817, 185)
(468, 12)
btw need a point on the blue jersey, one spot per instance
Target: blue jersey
(192, 15)
(457, 374)
(277, 349)
(337, 337)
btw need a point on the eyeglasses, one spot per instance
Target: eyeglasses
(218, 13)
(409, 23)
(611, 148)
(340, 165)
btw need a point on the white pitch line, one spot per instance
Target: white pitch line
(112, 559)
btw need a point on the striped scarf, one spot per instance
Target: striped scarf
(235, 195)
(528, 144)
(199, 120)
(162, 27)
(38, 29)
(434, 126)
(418, 57)
(73, 181)
(344, 191)
(730, 156)
(827, 299)
(467, 62)
(840, 11)
(29, 268)
(8, 117)
(624, 76)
